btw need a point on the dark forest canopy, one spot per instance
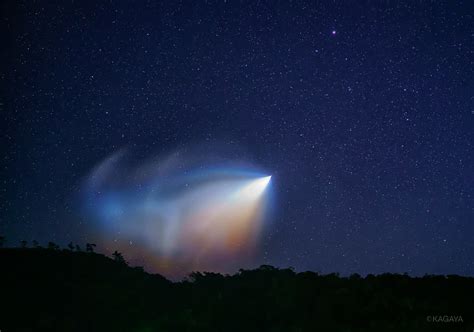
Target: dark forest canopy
(65, 290)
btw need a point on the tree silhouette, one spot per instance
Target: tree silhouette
(90, 247)
(305, 301)
(78, 248)
(118, 257)
(70, 246)
(35, 244)
(23, 243)
(53, 246)
(2, 241)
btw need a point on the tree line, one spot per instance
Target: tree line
(89, 248)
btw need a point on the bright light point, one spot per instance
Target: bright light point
(333, 32)
(266, 180)
(256, 187)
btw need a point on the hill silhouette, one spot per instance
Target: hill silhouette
(64, 290)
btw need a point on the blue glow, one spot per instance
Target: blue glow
(179, 218)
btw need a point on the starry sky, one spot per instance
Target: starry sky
(362, 113)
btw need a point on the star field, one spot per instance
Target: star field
(362, 114)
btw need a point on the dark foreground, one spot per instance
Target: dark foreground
(53, 290)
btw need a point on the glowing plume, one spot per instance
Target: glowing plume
(210, 220)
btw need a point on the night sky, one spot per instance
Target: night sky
(361, 113)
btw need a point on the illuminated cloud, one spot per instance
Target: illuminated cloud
(173, 221)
